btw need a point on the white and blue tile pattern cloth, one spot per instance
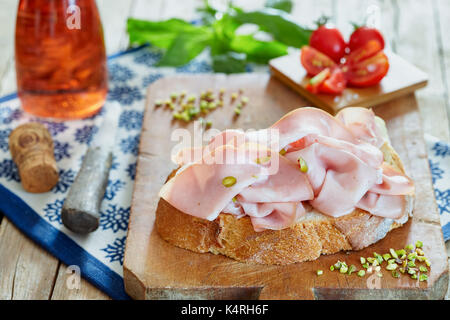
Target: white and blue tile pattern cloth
(100, 254)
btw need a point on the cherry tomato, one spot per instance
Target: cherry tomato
(335, 83)
(314, 61)
(362, 35)
(367, 72)
(315, 82)
(364, 52)
(328, 41)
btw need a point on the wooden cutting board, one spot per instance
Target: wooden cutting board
(402, 78)
(154, 269)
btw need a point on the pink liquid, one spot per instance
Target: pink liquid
(61, 70)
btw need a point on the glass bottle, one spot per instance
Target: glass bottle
(60, 58)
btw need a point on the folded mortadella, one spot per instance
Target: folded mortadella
(343, 169)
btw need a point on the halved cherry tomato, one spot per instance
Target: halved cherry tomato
(314, 61)
(362, 35)
(328, 41)
(367, 72)
(364, 52)
(315, 82)
(335, 83)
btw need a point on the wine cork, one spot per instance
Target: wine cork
(31, 146)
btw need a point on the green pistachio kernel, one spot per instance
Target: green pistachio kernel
(370, 260)
(419, 244)
(391, 266)
(237, 111)
(410, 247)
(229, 181)
(423, 277)
(393, 253)
(362, 259)
(331, 268)
(386, 256)
(412, 256)
(395, 274)
(319, 272)
(411, 264)
(423, 269)
(303, 165)
(343, 269)
(365, 265)
(351, 269)
(414, 276)
(361, 273)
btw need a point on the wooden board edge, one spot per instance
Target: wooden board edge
(436, 291)
(313, 98)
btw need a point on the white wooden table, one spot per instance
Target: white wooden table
(417, 30)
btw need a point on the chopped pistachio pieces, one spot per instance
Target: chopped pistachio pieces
(419, 244)
(303, 165)
(390, 261)
(411, 271)
(395, 274)
(386, 256)
(391, 266)
(393, 253)
(427, 262)
(423, 269)
(400, 252)
(363, 260)
(237, 111)
(411, 264)
(244, 100)
(370, 259)
(361, 273)
(319, 272)
(365, 265)
(421, 258)
(414, 276)
(380, 275)
(343, 269)
(420, 252)
(234, 96)
(229, 181)
(351, 269)
(158, 103)
(423, 277)
(331, 268)
(412, 256)
(410, 247)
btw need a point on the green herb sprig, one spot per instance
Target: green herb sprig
(181, 41)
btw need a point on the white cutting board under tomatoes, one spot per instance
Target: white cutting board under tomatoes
(334, 74)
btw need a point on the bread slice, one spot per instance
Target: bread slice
(313, 235)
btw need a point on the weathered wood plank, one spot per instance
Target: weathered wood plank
(26, 270)
(67, 287)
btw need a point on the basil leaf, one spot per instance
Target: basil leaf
(185, 47)
(158, 33)
(257, 50)
(229, 62)
(279, 24)
(284, 5)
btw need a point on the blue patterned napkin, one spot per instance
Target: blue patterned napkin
(100, 254)
(439, 158)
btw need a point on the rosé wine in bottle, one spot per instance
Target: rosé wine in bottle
(60, 58)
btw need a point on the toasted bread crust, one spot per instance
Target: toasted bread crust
(314, 235)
